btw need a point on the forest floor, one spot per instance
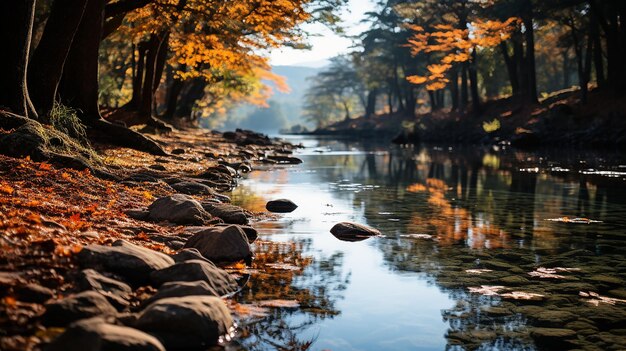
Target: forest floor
(49, 214)
(558, 119)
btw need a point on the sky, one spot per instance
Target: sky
(325, 44)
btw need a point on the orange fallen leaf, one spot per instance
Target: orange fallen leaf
(6, 189)
(45, 166)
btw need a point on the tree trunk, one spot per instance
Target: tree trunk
(16, 30)
(473, 75)
(511, 69)
(172, 98)
(79, 85)
(46, 67)
(464, 91)
(193, 92)
(597, 51)
(370, 108)
(454, 88)
(529, 37)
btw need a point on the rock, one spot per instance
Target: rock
(190, 322)
(349, 231)
(250, 232)
(32, 292)
(179, 209)
(514, 280)
(228, 213)
(281, 206)
(192, 188)
(222, 244)
(116, 292)
(175, 244)
(218, 279)
(188, 255)
(83, 305)
(181, 289)
(130, 261)
(552, 337)
(157, 167)
(552, 319)
(285, 159)
(178, 151)
(138, 214)
(96, 335)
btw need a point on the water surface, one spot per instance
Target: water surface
(483, 248)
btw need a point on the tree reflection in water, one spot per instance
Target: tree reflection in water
(469, 218)
(300, 291)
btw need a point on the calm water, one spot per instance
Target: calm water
(480, 250)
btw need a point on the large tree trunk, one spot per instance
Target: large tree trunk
(597, 51)
(187, 101)
(46, 67)
(370, 107)
(16, 29)
(473, 75)
(511, 68)
(464, 90)
(79, 85)
(454, 88)
(529, 38)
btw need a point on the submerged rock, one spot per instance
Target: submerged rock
(84, 305)
(222, 244)
(281, 206)
(132, 262)
(553, 337)
(349, 231)
(218, 279)
(190, 322)
(179, 209)
(96, 335)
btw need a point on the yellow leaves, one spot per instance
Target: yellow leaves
(45, 166)
(438, 69)
(148, 196)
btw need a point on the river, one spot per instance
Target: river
(483, 248)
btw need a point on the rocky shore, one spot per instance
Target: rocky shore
(142, 260)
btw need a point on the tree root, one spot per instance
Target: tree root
(122, 136)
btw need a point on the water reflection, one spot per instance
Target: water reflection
(460, 220)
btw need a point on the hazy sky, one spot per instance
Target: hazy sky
(326, 44)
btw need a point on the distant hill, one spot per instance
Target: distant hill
(285, 108)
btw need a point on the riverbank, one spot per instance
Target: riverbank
(130, 245)
(557, 120)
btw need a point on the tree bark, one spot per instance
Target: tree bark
(370, 108)
(529, 37)
(79, 85)
(16, 30)
(473, 75)
(511, 69)
(454, 87)
(48, 61)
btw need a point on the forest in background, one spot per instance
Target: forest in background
(476, 60)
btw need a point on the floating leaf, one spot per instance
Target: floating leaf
(577, 220)
(417, 236)
(551, 273)
(477, 271)
(487, 290)
(596, 299)
(280, 303)
(522, 295)
(282, 266)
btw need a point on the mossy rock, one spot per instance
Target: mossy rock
(580, 325)
(552, 318)
(606, 280)
(553, 337)
(497, 265)
(496, 311)
(570, 287)
(514, 280)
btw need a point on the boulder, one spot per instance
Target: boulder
(179, 209)
(96, 335)
(190, 322)
(285, 159)
(228, 213)
(349, 231)
(250, 232)
(222, 244)
(132, 262)
(180, 289)
(32, 292)
(218, 279)
(83, 305)
(281, 206)
(192, 188)
(137, 213)
(116, 292)
(553, 338)
(188, 255)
